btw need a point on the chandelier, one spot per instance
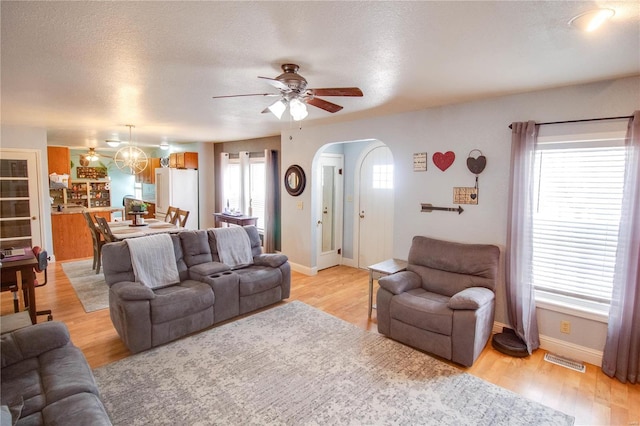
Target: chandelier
(131, 159)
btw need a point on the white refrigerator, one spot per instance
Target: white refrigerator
(177, 188)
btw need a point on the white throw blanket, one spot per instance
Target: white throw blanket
(234, 247)
(153, 260)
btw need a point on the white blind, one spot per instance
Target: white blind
(578, 196)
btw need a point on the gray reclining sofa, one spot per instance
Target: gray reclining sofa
(208, 292)
(46, 379)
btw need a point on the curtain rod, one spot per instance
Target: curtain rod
(583, 120)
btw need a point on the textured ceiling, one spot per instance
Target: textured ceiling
(84, 69)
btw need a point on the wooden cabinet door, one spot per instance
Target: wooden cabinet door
(183, 160)
(148, 175)
(190, 160)
(150, 171)
(59, 160)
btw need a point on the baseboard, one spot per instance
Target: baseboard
(303, 269)
(563, 348)
(349, 262)
(571, 350)
(498, 326)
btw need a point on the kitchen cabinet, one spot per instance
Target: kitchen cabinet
(183, 160)
(88, 193)
(148, 175)
(59, 160)
(71, 237)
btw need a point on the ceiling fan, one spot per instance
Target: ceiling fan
(295, 94)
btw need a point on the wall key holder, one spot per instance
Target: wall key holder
(428, 208)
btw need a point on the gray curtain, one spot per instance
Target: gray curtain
(521, 306)
(272, 202)
(621, 358)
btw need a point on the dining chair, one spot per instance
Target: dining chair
(41, 267)
(105, 230)
(172, 215)
(182, 216)
(98, 241)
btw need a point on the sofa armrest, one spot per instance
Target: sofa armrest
(128, 290)
(270, 259)
(400, 282)
(471, 298)
(33, 341)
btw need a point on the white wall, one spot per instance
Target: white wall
(32, 138)
(459, 128)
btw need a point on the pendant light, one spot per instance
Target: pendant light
(131, 159)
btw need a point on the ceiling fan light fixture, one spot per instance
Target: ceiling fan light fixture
(112, 143)
(591, 20)
(278, 108)
(298, 109)
(92, 155)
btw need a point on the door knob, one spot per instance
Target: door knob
(319, 222)
(362, 214)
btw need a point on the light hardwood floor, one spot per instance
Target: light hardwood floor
(592, 397)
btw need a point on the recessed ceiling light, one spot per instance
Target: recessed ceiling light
(112, 143)
(164, 146)
(592, 19)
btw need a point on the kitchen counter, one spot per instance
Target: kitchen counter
(74, 210)
(71, 237)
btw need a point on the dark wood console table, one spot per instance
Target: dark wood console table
(234, 220)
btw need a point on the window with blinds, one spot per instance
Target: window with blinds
(245, 185)
(576, 214)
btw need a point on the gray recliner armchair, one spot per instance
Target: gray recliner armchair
(444, 302)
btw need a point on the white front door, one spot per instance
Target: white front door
(330, 204)
(20, 224)
(375, 213)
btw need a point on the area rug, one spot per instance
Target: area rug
(294, 364)
(90, 287)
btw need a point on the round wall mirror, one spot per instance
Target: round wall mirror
(294, 180)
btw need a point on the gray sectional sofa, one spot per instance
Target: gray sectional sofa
(46, 379)
(209, 291)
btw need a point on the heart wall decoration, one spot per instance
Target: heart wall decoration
(476, 165)
(443, 161)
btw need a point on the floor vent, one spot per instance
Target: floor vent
(564, 362)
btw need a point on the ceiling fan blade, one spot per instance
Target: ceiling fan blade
(251, 94)
(276, 83)
(337, 91)
(325, 105)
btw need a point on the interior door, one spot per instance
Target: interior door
(20, 224)
(329, 217)
(375, 241)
